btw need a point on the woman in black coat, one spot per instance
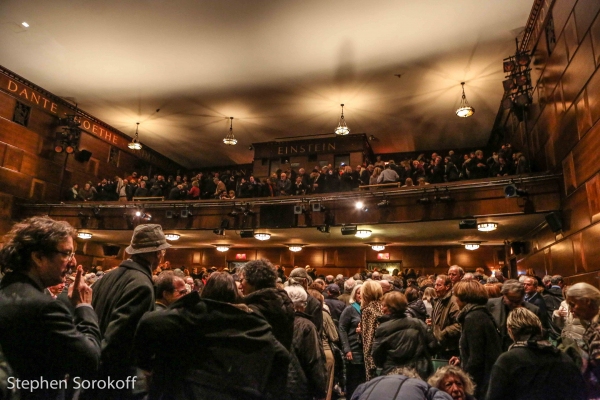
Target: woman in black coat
(402, 341)
(351, 343)
(480, 344)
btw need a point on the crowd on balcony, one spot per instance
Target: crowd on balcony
(287, 181)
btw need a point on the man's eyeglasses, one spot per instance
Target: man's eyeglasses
(68, 254)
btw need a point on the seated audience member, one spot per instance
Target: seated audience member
(307, 377)
(532, 369)
(200, 348)
(402, 341)
(403, 385)
(169, 288)
(453, 381)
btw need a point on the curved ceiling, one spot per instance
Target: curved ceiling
(280, 68)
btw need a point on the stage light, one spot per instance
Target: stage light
(512, 191)
(509, 66)
(138, 213)
(359, 205)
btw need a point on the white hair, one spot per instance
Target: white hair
(339, 277)
(297, 294)
(583, 290)
(353, 294)
(349, 284)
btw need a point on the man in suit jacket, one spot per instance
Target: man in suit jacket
(39, 335)
(513, 294)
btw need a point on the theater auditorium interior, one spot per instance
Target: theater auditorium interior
(99, 90)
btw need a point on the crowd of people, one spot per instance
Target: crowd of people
(422, 170)
(259, 333)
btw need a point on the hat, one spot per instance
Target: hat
(299, 273)
(333, 289)
(147, 238)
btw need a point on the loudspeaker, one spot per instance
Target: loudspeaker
(83, 155)
(225, 223)
(110, 250)
(554, 222)
(517, 247)
(247, 233)
(316, 207)
(297, 209)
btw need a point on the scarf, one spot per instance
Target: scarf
(357, 307)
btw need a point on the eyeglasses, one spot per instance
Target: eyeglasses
(68, 254)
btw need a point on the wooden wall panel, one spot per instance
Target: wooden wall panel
(556, 63)
(593, 91)
(535, 261)
(43, 124)
(15, 183)
(579, 70)
(562, 258)
(351, 257)
(592, 188)
(567, 135)
(584, 117)
(560, 12)
(18, 136)
(271, 254)
(570, 33)
(576, 211)
(585, 12)
(7, 106)
(308, 256)
(591, 250)
(595, 34)
(585, 155)
(214, 258)
(13, 158)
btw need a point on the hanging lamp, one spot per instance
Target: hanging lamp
(464, 110)
(135, 143)
(230, 140)
(342, 128)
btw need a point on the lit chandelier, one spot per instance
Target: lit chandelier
(222, 248)
(295, 248)
(378, 247)
(135, 143)
(262, 236)
(342, 128)
(172, 236)
(363, 233)
(464, 110)
(471, 245)
(230, 140)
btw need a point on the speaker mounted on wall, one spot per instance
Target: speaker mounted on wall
(554, 222)
(83, 155)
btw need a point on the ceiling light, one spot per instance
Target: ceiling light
(342, 128)
(363, 233)
(464, 110)
(25, 24)
(84, 235)
(378, 247)
(135, 143)
(230, 140)
(222, 248)
(295, 248)
(359, 205)
(172, 236)
(262, 236)
(472, 245)
(487, 226)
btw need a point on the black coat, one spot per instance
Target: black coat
(479, 344)
(336, 307)
(121, 297)
(41, 338)
(417, 309)
(204, 349)
(402, 341)
(535, 373)
(351, 342)
(277, 308)
(307, 375)
(500, 313)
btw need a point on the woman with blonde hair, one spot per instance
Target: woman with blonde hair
(428, 296)
(532, 368)
(371, 309)
(374, 176)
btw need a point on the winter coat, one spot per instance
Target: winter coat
(120, 299)
(402, 341)
(336, 307)
(277, 308)
(417, 309)
(398, 387)
(445, 325)
(204, 349)
(351, 342)
(307, 375)
(500, 313)
(480, 345)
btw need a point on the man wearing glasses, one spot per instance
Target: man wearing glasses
(121, 297)
(38, 334)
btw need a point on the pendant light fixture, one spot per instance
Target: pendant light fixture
(230, 140)
(363, 233)
(464, 110)
(262, 236)
(342, 128)
(84, 235)
(471, 245)
(135, 143)
(487, 226)
(378, 246)
(295, 247)
(222, 248)
(172, 236)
